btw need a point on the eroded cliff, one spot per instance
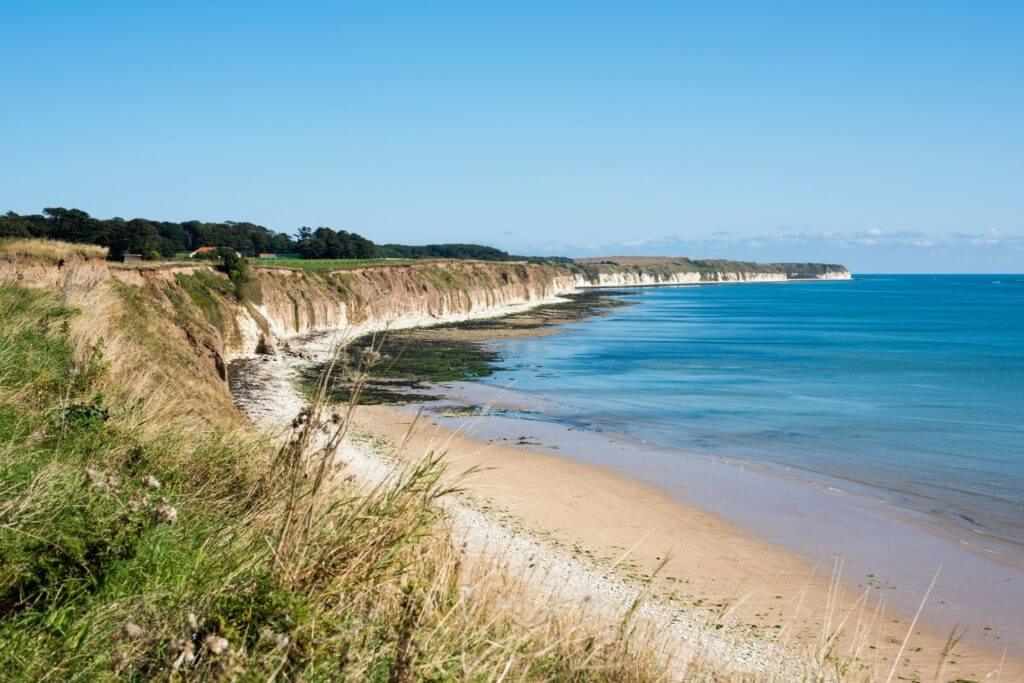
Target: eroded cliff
(195, 318)
(296, 302)
(625, 271)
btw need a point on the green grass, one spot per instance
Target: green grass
(79, 558)
(328, 264)
(203, 288)
(411, 364)
(97, 582)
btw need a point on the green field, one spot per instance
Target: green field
(329, 264)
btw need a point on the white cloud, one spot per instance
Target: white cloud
(782, 245)
(872, 250)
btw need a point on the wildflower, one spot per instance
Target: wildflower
(151, 482)
(133, 630)
(121, 661)
(193, 622)
(96, 478)
(166, 514)
(101, 481)
(278, 639)
(181, 652)
(136, 504)
(466, 592)
(216, 644)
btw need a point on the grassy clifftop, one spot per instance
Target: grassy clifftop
(661, 265)
(146, 532)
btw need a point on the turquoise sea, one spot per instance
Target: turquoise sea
(908, 388)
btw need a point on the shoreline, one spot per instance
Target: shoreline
(814, 592)
(603, 515)
(493, 403)
(493, 541)
(881, 547)
(493, 538)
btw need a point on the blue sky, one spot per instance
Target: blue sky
(888, 138)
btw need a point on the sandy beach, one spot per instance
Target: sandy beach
(586, 532)
(711, 570)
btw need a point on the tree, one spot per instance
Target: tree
(13, 225)
(73, 225)
(326, 243)
(236, 267)
(167, 238)
(137, 236)
(457, 251)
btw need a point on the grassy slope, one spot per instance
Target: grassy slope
(97, 580)
(48, 250)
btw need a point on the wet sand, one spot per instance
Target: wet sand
(564, 489)
(710, 564)
(882, 546)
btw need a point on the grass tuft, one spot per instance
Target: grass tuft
(133, 545)
(51, 251)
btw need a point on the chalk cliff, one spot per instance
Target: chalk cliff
(390, 297)
(205, 318)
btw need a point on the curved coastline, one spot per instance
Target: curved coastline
(507, 401)
(974, 658)
(611, 532)
(817, 514)
(602, 512)
(818, 517)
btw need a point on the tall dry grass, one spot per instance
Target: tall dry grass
(49, 251)
(136, 548)
(140, 540)
(397, 553)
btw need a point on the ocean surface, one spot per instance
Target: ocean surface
(909, 389)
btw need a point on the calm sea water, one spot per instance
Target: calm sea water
(911, 387)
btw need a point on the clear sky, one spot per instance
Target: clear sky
(887, 136)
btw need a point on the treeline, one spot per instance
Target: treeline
(326, 243)
(165, 239)
(457, 251)
(151, 239)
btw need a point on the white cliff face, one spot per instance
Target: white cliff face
(746, 277)
(835, 275)
(634, 279)
(477, 306)
(249, 334)
(353, 303)
(358, 302)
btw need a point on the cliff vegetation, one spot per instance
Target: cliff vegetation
(146, 532)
